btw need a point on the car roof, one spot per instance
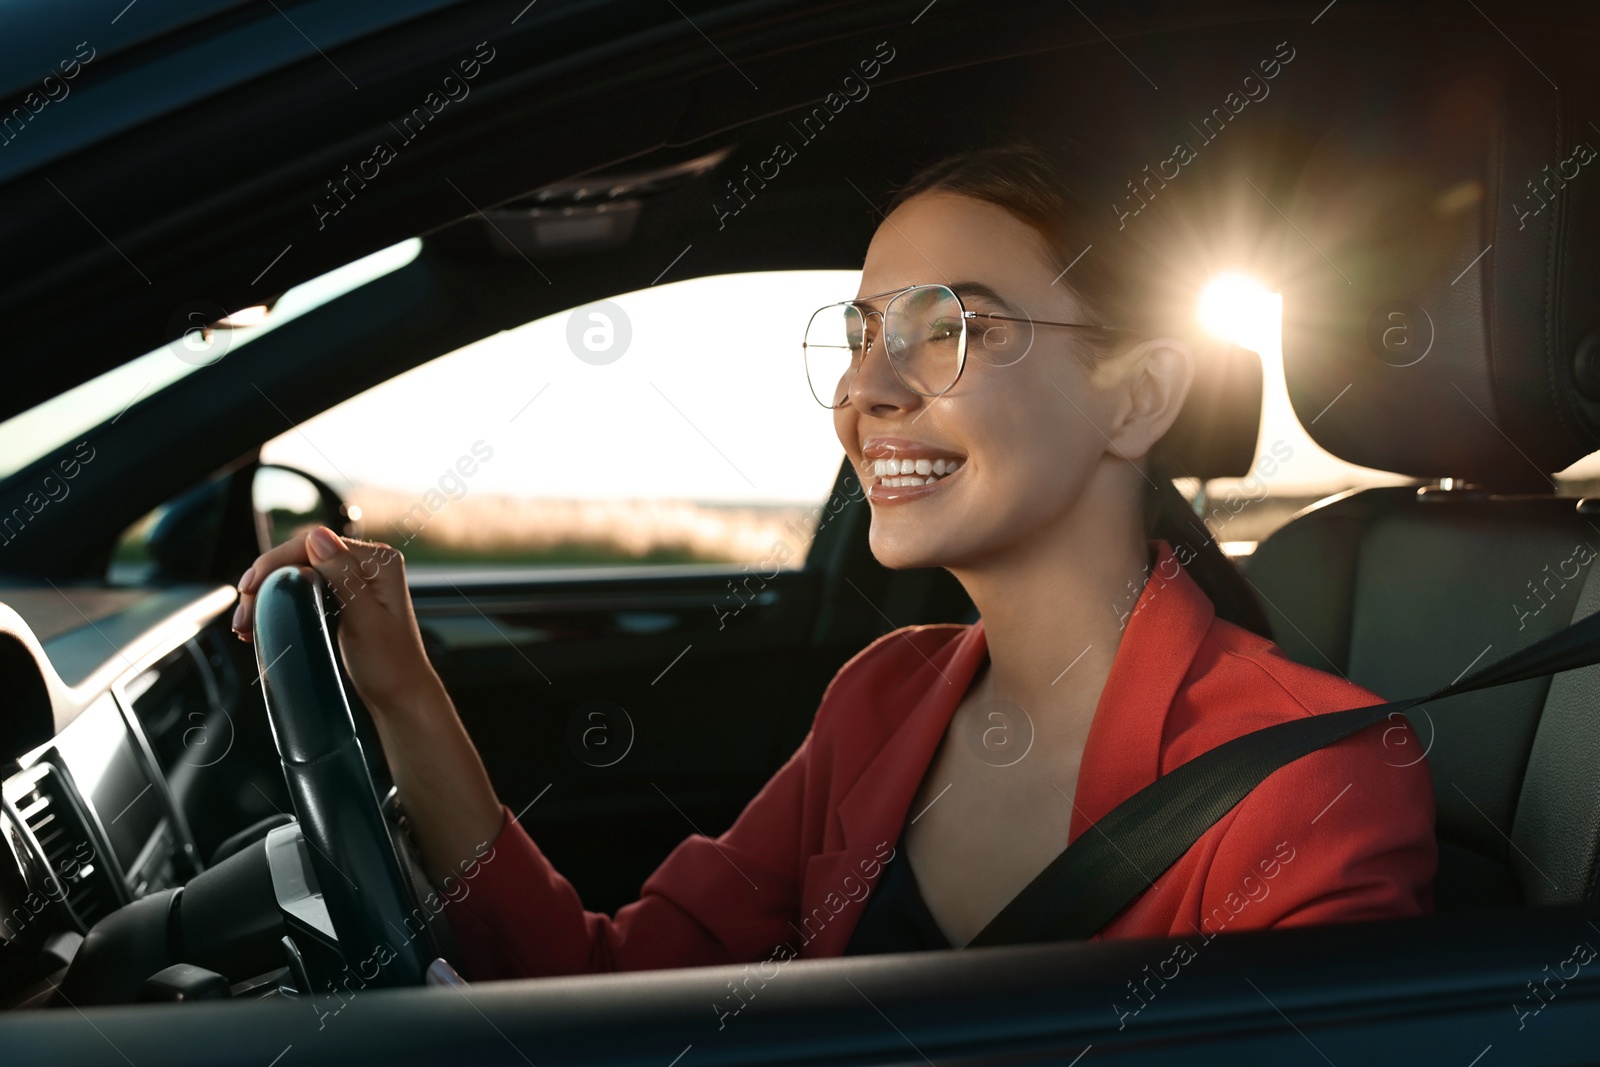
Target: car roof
(165, 55)
(170, 180)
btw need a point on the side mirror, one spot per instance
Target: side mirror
(183, 540)
(288, 502)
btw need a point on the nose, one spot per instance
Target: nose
(875, 388)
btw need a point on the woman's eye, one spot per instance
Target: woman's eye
(944, 330)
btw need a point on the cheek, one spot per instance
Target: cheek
(1039, 452)
(1035, 474)
(1031, 453)
(844, 426)
(1040, 428)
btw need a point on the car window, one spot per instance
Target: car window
(40, 430)
(668, 425)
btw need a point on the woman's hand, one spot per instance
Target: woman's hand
(447, 794)
(378, 634)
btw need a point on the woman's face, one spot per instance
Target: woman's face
(1027, 434)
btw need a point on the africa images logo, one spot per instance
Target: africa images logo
(1211, 126)
(851, 89)
(453, 89)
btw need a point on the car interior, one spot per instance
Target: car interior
(1415, 181)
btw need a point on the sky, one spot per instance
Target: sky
(706, 401)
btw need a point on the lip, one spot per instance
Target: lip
(904, 448)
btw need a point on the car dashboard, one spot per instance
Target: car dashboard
(116, 703)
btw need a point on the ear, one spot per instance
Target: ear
(1156, 377)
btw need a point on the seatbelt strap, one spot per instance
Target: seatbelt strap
(1566, 768)
(1118, 858)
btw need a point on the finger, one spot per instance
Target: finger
(290, 553)
(346, 564)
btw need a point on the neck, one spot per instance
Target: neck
(1056, 604)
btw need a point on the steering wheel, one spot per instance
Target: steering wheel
(368, 895)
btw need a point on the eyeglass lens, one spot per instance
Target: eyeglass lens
(922, 331)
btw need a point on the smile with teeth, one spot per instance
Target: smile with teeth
(894, 473)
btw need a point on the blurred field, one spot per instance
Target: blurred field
(499, 529)
(489, 529)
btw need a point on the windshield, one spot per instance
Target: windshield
(40, 430)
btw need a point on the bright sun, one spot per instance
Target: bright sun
(1238, 308)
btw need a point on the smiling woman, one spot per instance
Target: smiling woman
(1005, 423)
(1045, 516)
(1100, 321)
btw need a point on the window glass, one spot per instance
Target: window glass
(34, 433)
(132, 562)
(668, 425)
(1582, 478)
(175, 541)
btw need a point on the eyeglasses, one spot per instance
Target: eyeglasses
(925, 334)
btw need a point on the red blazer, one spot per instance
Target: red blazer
(1345, 833)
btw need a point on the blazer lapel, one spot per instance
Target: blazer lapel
(1122, 753)
(874, 808)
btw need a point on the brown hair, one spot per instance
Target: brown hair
(1121, 282)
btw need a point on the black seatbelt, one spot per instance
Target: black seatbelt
(1117, 859)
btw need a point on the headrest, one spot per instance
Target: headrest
(1214, 435)
(1441, 312)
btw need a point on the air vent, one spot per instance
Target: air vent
(175, 701)
(43, 797)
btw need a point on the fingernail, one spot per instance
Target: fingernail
(326, 542)
(238, 616)
(246, 579)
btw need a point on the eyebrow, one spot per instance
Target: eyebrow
(965, 290)
(980, 291)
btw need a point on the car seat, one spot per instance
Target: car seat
(1440, 322)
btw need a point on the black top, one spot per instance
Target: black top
(897, 919)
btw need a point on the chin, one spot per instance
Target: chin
(914, 546)
(903, 551)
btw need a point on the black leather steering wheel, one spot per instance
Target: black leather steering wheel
(368, 895)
